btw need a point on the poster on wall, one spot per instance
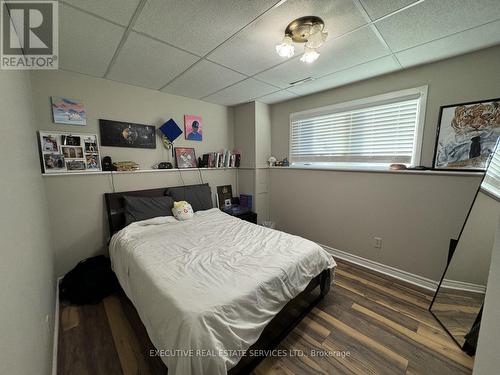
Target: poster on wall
(68, 111)
(467, 135)
(127, 134)
(69, 152)
(192, 128)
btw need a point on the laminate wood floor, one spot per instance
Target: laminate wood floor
(368, 324)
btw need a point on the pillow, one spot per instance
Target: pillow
(182, 210)
(199, 196)
(142, 208)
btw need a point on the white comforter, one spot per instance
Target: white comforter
(206, 288)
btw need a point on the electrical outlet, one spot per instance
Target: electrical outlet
(377, 242)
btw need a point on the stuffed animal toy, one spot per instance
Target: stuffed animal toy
(182, 210)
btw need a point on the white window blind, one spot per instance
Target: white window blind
(491, 181)
(380, 132)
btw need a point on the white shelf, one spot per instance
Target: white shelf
(86, 173)
(372, 170)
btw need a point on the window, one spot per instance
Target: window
(491, 181)
(375, 131)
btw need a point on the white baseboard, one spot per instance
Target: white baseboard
(56, 329)
(460, 285)
(411, 278)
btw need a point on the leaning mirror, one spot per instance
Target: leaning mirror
(458, 301)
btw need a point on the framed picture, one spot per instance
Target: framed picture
(185, 157)
(68, 152)
(127, 134)
(192, 128)
(467, 134)
(68, 111)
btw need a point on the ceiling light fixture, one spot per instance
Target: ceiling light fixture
(308, 30)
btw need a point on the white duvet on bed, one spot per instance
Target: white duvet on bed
(206, 288)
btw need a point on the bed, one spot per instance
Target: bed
(214, 291)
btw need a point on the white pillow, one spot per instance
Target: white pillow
(182, 210)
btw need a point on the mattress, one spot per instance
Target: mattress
(206, 288)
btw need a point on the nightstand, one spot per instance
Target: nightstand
(242, 213)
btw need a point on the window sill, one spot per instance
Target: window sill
(381, 170)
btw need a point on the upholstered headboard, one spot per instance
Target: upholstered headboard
(115, 203)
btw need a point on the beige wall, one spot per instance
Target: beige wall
(27, 282)
(76, 203)
(487, 360)
(415, 214)
(110, 100)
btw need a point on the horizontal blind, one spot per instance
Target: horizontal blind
(383, 133)
(491, 181)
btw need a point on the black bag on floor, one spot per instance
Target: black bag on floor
(89, 282)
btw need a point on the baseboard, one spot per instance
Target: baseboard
(56, 329)
(460, 285)
(411, 278)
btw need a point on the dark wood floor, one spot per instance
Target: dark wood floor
(368, 324)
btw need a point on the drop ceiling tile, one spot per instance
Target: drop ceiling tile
(86, 43)
(241, 92)
(253, 49)
(202, 79)
(431, 20)
(277, 97)
(456, 44)
(370, 69)
(119, 11)
(148, 63)
(197, 26)
(377, 8)
(341, 53)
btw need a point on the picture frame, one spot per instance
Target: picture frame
(68, 111)
(193, 128)
(127, 134)
(467, 134)
(185, 157)
(62, 152)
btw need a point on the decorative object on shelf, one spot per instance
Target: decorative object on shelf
(221, 159)
(397, 167)
(192, 128)
(224, 196)
(271, 161)
(107, 164)
(68, 152)
(467, 134)
(68, 111)
(308, 30)
(126, 166)
(164, 165)
(127, 134)
(185, 157)
(170, 132)
(285, 162)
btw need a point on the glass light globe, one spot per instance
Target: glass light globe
(286, 48)
(310, 55)
(316, 39)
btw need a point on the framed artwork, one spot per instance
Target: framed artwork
(467, 135)
(185, 157)
(68, 152)
(68, 111)
(192, 128)
(127, 134)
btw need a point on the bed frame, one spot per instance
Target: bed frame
(279, 327)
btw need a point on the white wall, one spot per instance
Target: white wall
(76, 203)
(27, 282)
(417, 214)
(487, 360)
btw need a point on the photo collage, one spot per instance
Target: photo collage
(64, 152)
